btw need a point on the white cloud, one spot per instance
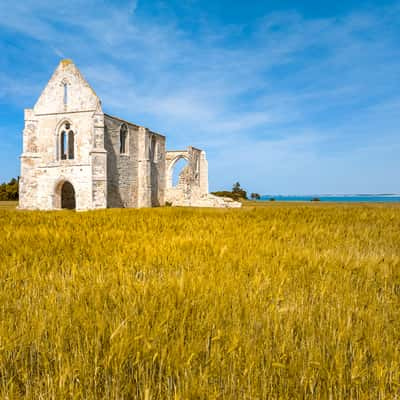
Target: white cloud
(273, 97)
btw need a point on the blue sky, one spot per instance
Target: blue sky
(286, 97)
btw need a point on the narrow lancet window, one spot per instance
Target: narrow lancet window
(70, 145)
(63, 145)
(67, 143)
(123, 133)
(65, 94)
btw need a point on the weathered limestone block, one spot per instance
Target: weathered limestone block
(99, 163)
(207, 200)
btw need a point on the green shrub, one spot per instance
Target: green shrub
(9, 191)
(237, 193)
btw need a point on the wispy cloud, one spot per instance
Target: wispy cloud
(268, 99)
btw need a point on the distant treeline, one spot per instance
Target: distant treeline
(9, 191)
(237, 193)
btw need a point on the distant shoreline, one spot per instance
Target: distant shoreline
(364, 198)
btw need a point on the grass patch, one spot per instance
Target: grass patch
(282, 301)
(8, 205)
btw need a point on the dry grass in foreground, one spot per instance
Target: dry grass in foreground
(10, 205)
(287, 302)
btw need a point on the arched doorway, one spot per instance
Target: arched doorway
(68, 196)
(174, 169)
(177, 170)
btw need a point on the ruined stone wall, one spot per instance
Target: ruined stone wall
(67, 91)
(136, 177)
(66, 99)
(193, 180)
(157, 168)
(42, 168)
(101, 173)
(99, 162)
(30, 160)
(192, 187)
(122, 169)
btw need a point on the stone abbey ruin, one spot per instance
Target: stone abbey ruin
(75, 156)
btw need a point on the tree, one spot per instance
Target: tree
(255, 196)
(9, 191)
(236, 187)
(238, 192)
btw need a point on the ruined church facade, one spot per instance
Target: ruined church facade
(75, 156)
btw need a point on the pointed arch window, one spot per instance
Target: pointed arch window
(63, 145)
(123, 135)
(71, 145)
(65, 94)
(67, 143)
(64, 85)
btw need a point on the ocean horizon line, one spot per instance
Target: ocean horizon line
(335, 195)
(336, 198)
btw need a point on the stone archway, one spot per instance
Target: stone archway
(193, 178)
(68, 200)
(64, 195)
(171, 163)
(176, 168)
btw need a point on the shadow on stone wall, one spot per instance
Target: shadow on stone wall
(114, 198)
(155, 182)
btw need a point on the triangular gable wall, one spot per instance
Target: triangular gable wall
(76, 97)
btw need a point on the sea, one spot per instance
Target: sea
(340, 198)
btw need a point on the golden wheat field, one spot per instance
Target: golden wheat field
(275, 302)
